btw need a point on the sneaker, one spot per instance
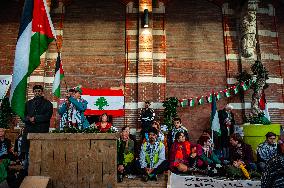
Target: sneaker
(145, 178)
(120, 178)
(130, 176)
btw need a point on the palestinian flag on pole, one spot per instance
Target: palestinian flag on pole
(214, 120)
(35, 34)
(59, 74)
(104, 101)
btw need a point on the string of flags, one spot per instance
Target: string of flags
(228, 92)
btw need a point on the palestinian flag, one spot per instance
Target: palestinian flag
(244, 86)
(191, 102)
(236, 89)
(214, 120)
(227, 92)
(104, 101)
(35, 34)
(184, 102)
(218, 95)
(209, 98)
(200, 100)
(59, 74)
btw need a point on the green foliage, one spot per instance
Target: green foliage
(261, 73)
(243, 77)
(76, 130)
(260, 119)
(6, 113)
(170, 111)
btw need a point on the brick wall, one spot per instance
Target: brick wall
(190, 56)
(195, 57)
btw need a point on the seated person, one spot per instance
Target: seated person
(266, 150)
(6, 158)
(196, 165)
(273, 174)
(132, 137)
(126, 155)
(177, 128)
(206, 152)
(6, 150)
(161, 136)
(152, 157)
(103, 125)
(240, 154)
(179, 154)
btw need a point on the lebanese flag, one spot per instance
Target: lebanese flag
(104, 101)
(35, 34)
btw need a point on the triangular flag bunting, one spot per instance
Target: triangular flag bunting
(200, 100)
(227, 93)
(209, 98)
(191, 102)
(184, 102)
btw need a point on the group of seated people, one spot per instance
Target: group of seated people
(12, 161)
(159, 153)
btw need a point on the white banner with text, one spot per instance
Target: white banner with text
(182, 181)
(5, 82)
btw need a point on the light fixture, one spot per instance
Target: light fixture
(146, 18)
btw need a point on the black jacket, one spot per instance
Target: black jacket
(41, 109)
(223, 115)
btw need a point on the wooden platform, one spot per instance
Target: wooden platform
(138, 183)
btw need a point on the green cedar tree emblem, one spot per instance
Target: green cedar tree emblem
(101, 103)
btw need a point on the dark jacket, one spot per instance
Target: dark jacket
(243, 153)
(6, 151)
(41, 109)
(223, 115)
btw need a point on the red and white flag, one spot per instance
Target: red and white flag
(104, 101)
(263, 106)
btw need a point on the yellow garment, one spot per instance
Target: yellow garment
(244, 170)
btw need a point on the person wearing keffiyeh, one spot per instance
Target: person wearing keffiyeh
(177, 128)
(73, 116)
(152, 157)
(273, 175)
(266, 150)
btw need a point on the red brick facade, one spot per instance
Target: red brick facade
(190, 48)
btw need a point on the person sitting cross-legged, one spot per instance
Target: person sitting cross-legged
(266, 150)
(176, 128)
(152, 157)
(126, 155)
(179, 154)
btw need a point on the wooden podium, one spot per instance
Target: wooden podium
(74, 160)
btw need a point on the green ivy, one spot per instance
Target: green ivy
(170, 111)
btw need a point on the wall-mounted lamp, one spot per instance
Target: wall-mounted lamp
(146, 18)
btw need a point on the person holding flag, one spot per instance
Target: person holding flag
(227, 122)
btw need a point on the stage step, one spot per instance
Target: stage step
(35, 182)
